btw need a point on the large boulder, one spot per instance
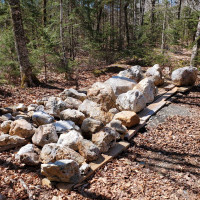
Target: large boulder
(74, 115)
(120, 84)
(52, 152)
(72, 93)
(70, 139)
(148, 88)
(93, 110)
(133, 100)
(22, 128)
(62, 171)
(104, 139)
(72, 103)
(102, 94)
(41, 118)
(128, 118)
(54, 106)
(64, 126)
(90, 126)
(184, 76)
(134, 73)
(88, 150)
(45, 134)
(5, 126)
(9, 142)
(155, 73)
(29, 154)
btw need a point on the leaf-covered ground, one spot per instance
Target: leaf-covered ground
(162, 162)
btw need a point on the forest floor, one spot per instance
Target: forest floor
(163, 161)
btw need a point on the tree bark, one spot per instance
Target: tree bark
(179, 9)
(44, 12)
(196, 46)
(28, 79)
(126, 23)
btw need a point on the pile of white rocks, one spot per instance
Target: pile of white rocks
(65, 133)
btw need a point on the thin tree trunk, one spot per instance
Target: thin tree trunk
(163, 30)
(179, 9)
(28, 79)
(44, 12)
(120, 25)
(64, 58)
(196, 46)
(126, 23)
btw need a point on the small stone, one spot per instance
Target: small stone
(84, 169)
(72, 103)
(128, 118)
(64, 126)
(72, 93)
(41, 118)
(70, 139)
(90, 126)
(5, 126)
(88, 150)
(45, 134)
(74, 115)
(21, 107)
(6, 117)
(22, 128)
(47, 182)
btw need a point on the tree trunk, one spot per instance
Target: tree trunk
(44, 12)
(64, 58)
(28, 79)
(163, 30)
(196, 46)
(120, 25)
(126, 23)
(179, 9)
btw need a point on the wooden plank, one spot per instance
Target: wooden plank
(95, 165)
(184, 89)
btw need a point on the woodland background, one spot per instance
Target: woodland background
(68, 36)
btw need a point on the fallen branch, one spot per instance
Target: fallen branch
(30, 195)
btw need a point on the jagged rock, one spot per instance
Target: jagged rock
(133, 100)
(6, 110)
(72, 103)
(61, 171)
(21, 107)
(9, 142)
(70, 139)
(74, 115)
(185, 76)
(118, 127)
(72, 93)
(113, 111)
(29, 154)
(88, 150)
(155, 73)
(6, 117)
(52, 152)
(134, 73)
(128, 118)
(5, 126)
(84, 169)
(32, 107)
(104, 139)
(120, 84)
(54, 106)
(42, 101)
(64, 126)
(102, 94)
(45, 134)
(147, 87)
(26, 117)
(90, 126)
(93, 110)
(41, 118)
(22, 128)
